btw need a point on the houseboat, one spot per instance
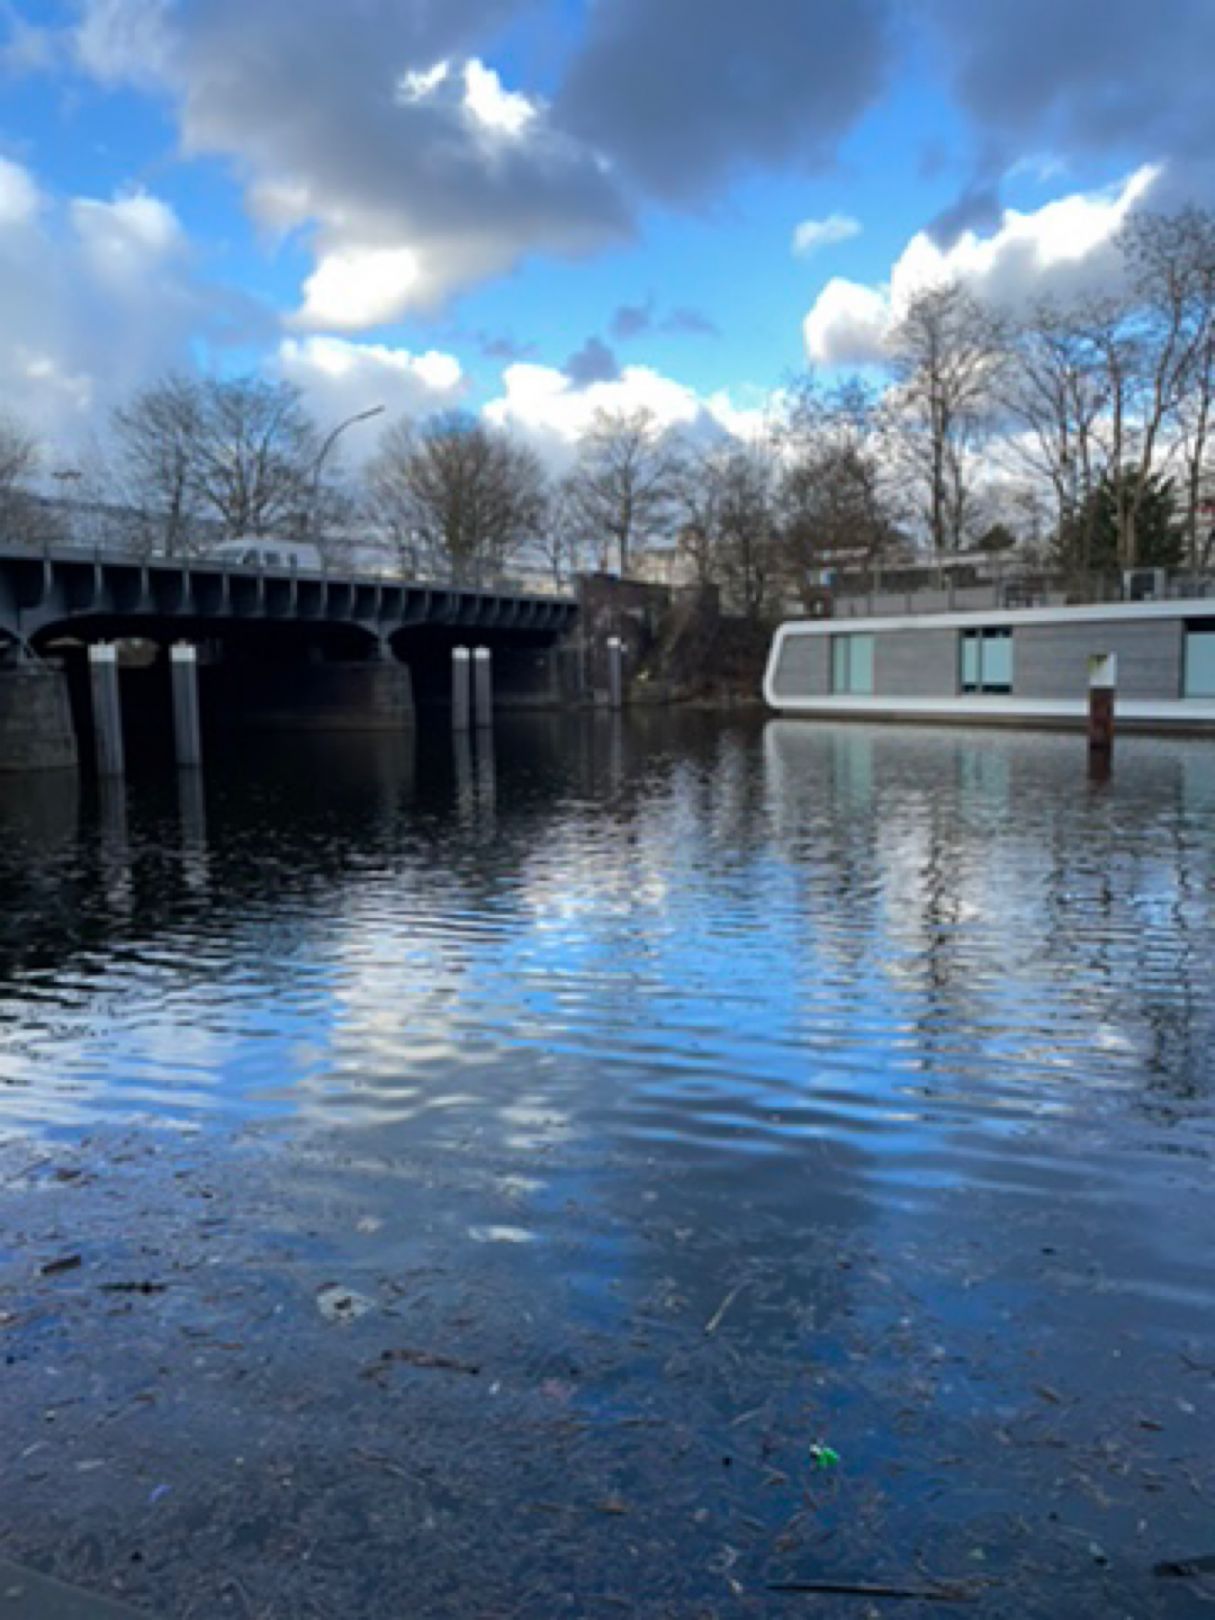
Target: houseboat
(1022, 666)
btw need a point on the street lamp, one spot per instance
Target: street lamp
(330, 441)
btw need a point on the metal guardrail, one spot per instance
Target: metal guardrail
(68, 551)
(1025, 591)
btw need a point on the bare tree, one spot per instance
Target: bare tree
(256, 455)
(198, 461)
(726, 495)
(696, 497)
(558, 537)
(1172, 264)
(945, 355)
(834, 495)
(623, 483)
(155, 469)
(742, 479)
(392, 505)
(1151, 355)
(1056, 391)
(458, 496)
(1194, 415)
(19, 510)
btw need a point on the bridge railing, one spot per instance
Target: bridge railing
(66, 550)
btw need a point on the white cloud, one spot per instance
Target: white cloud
(19, 198)
(506, 112)
(124, 41)
(486, 102)
(30, 47)
(340, 378)
(419, 83)
(375, 129)
(548, 409)
(357, 287)
(125, 239)
(97, 298)
(1065, 248)
(813, 234)
(848, 324)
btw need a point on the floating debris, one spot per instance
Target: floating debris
(421, 1358)
(66, 1262)
(337, 1304)
(1186, 1569)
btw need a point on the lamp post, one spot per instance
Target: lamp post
(330, 441)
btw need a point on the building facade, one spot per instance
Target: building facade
(1028, 666)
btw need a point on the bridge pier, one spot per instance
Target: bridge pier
(484, 679)
(107, 709)
(460, 689)
(187, 735)
(35, 719)
(615, 652)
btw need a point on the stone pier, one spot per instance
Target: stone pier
(36, 732)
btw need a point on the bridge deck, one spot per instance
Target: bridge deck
(48, 592)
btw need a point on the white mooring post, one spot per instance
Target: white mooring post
(615, 653)
(459, 688)
(484, 681)
(107, 709)
(187, 733)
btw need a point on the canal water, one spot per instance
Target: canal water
(623, 1168)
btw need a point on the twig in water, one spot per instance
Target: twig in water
(420, 1358)
(922, 1594)
(714, 1322)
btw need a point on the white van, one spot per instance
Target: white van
(270, 553)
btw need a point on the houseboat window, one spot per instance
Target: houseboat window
(1200, 662)
(852, 665)
(987, 661)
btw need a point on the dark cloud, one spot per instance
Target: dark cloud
(311, 102)
(935, 159)
(504, 348)
(631, 320)
(635, 320)
(594, 362)
(692, 321)
(977, 209)
(1103, 76)
(682, 93)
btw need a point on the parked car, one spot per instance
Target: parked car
(269, 553)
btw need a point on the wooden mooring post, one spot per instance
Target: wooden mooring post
(1102, 688)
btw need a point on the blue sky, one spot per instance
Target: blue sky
(329, 192)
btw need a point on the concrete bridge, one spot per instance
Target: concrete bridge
(283, 646)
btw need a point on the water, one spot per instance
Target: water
(714, 1090)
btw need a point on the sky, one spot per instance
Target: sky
(534, 209)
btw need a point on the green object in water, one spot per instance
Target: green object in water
(824, 1456)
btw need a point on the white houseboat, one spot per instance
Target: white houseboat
(1023, 666)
